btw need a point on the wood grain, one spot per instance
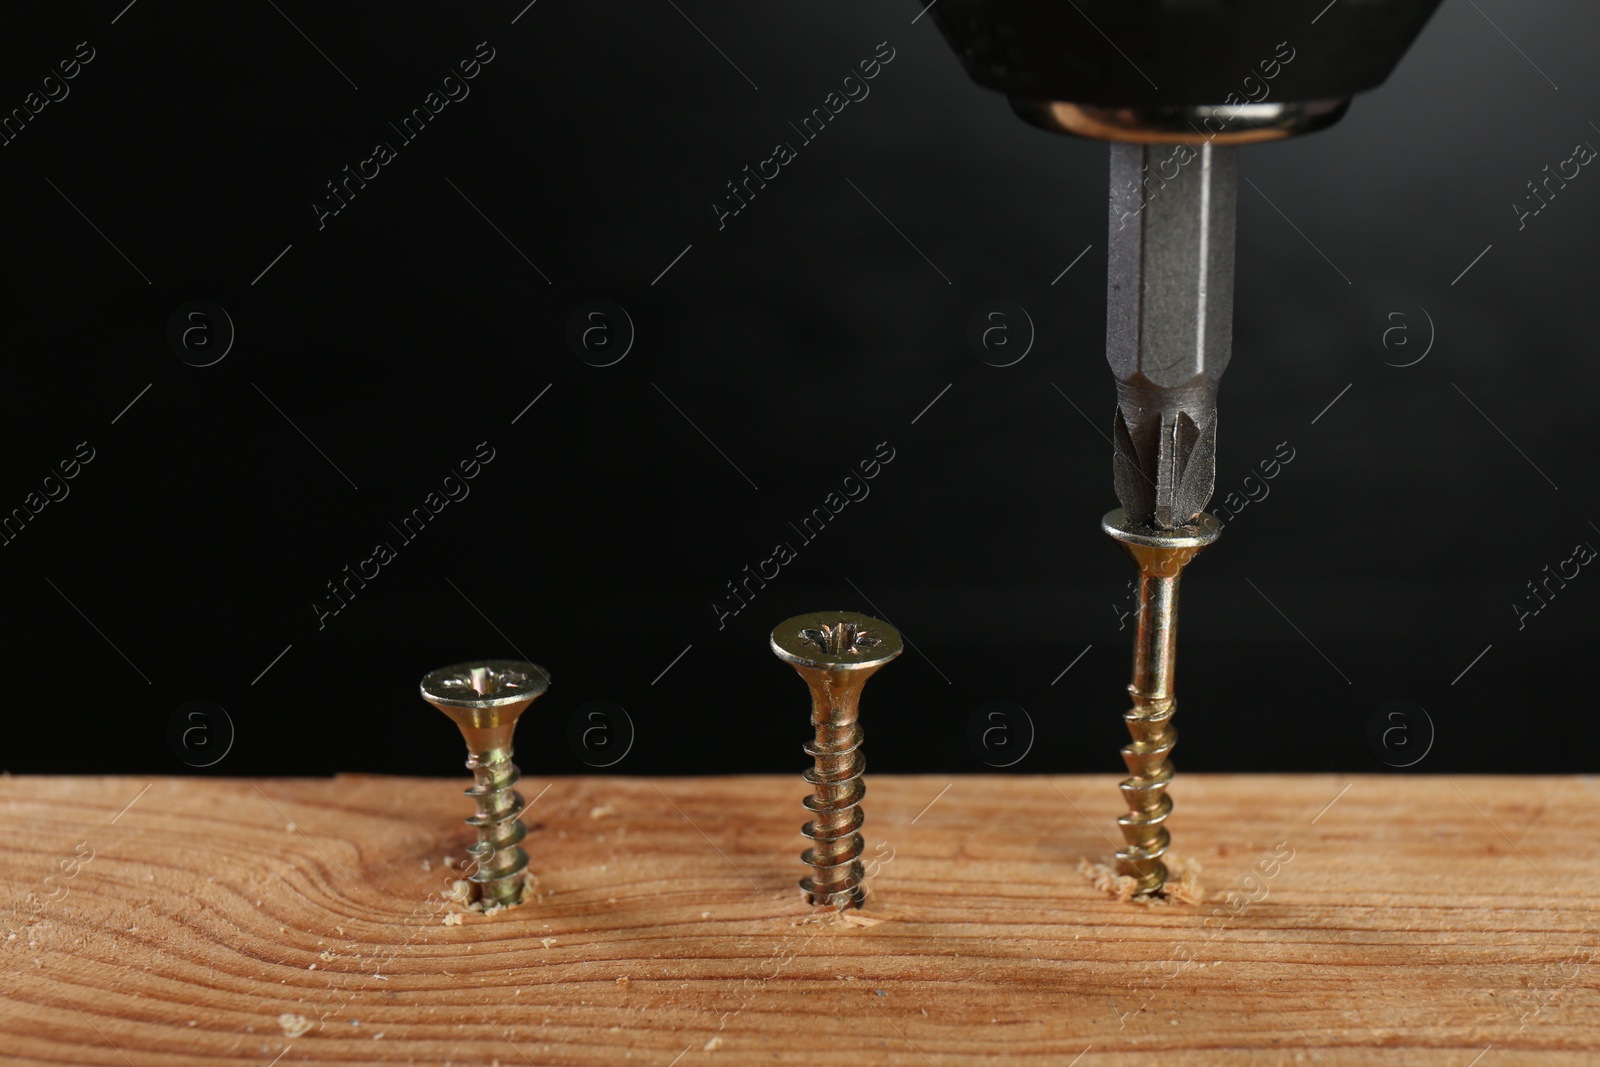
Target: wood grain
(1372, 921)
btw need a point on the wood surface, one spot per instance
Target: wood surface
(1346, 921)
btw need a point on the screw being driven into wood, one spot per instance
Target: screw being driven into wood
(484, 699)
(1161, 556)
(835, 653)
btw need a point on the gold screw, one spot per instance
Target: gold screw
(835, 652)
(484, 699)
(1161, 556)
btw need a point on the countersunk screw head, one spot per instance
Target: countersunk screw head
(485, 697)
(836, 641)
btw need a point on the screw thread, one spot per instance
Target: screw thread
(498, 855)
(834, 856)
(1145, 791)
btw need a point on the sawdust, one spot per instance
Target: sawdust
(462, 892)
(714, 1044)
(294, 1025)
(1182, 886)
(602, 811)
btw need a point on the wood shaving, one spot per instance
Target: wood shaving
(294, 1025)
(855, 918)
(1182, 886)
(714, 1044)
(601, 811)
(453, 919)
(547, 941)
(1187, 888)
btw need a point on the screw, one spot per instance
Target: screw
(835, 652)
(484, 699)
(1161, 556)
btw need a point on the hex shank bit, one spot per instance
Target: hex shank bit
(1169, 322)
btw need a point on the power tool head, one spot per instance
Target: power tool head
(1223, 71)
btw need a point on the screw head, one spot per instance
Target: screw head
(489, 683)
(1199, 532)
(485, 697)
(836, 641)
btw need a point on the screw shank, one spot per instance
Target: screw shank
(1161, 558)
(835, 853)
(1149, 724)
(1155, 640)
(498, 854)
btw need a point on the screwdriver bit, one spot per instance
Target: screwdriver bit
(1169, 322)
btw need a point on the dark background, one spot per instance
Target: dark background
(187, 556)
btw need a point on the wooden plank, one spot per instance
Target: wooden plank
(1366, 920)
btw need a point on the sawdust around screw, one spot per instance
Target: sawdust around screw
(462, 891)
(1182, 886)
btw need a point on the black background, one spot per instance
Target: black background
(797, 338)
